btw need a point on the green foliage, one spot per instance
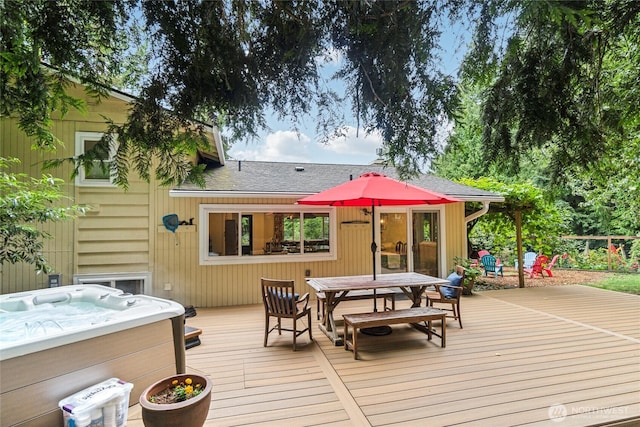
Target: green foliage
(227, 62)
(565, 82)
(58, 34)
(542, 221)
(233, 60)
(601, 258)
(471, 274)
(24, 204)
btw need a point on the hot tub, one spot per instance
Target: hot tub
(54, 342)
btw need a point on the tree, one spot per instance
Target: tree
(227, 62)
(525, 216)
(45, 45)
(566, 82)
(26, 202)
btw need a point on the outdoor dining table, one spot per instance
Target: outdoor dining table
(412, 284)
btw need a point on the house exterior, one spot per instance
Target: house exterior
(245, 224)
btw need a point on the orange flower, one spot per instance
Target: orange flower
(174, 382)
(188, 381)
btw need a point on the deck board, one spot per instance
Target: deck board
(520, 352)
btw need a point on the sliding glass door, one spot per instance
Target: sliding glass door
(393, 242)
(425, 249)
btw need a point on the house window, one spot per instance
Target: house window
(132, 283)
(98, 173)
(262, 233)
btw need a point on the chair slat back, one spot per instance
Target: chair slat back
(279, 296)
(483, 253)
(529, 259)
(489, 262)
(540, 263)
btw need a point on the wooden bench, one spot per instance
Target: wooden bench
(387, 294)
(382, 318)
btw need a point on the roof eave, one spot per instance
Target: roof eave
(230, 194)
(293, 195)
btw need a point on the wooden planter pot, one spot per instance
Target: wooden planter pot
(191, 412)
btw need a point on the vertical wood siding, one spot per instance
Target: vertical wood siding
(456, 234)
(228, 285)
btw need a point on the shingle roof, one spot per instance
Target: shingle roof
(244, 178)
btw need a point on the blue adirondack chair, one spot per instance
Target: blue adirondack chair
(490, 265)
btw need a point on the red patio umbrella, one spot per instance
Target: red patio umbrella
(375, 189)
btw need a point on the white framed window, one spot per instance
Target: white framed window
(240, 234)
(132, 283)
(98, 174)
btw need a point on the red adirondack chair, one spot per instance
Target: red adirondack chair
(547, 269)
(538, 266)
(475, 262)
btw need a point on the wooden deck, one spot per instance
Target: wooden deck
(525, 357)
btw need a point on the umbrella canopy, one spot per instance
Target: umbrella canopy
(375, 189)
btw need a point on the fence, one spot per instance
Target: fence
(617, 257)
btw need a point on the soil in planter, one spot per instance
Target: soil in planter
(169, 395)
(165, 397)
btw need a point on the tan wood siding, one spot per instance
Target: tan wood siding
(59, 249)
(228, 285)
(114, 234)
(456, 233)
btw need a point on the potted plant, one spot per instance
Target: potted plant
(178, 400)
(470, 274)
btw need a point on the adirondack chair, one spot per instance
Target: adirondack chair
(538, 266)
(481, 253)
(547, 269)
(491, 265)
(528, 260)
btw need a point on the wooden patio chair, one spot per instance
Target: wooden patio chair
(449, 294)
(491, 265)
(538, 267)
(281, 301)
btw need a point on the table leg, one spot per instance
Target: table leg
(414, 293)
(328, 324)
(443, 331)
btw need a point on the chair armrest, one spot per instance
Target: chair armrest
(446, 286)
(304, 298)
(457, 288)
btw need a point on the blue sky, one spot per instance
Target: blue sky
(283, 143)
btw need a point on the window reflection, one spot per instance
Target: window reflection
(268, 233)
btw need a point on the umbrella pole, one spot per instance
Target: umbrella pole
(376, 330)
(374, 248)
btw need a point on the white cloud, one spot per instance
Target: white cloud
(291, 146)
(281, 146)
(355, 142)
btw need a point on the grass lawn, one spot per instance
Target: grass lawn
(629, 283)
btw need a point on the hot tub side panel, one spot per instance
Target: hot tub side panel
(33, 384)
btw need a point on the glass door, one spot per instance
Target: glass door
(425, 242)
(393, 242)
